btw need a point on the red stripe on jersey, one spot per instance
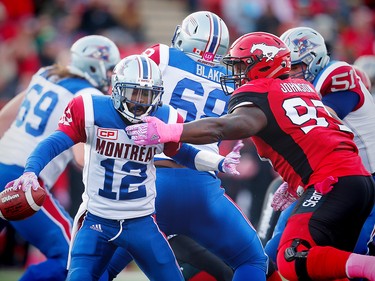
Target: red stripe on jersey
(51, 209)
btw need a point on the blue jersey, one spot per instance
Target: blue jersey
(191, 87)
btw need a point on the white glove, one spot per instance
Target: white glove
(282, 198)
(232, 160)
(26, 181)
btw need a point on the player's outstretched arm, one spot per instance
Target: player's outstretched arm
(242, 123)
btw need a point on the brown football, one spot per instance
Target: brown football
(19, 205)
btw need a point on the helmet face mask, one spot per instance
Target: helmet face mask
(307, 46)
(253, 56)
(137, 87)
(203, 36)
(93, 58)
(299, 70)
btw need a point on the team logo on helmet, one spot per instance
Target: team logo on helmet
(304, 45)
(100, 53)
(267, 51)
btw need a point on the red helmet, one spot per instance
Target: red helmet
(257, 55)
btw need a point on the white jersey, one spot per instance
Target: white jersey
(119, 176)
(190, 87)
(339, 76)
(37, 118)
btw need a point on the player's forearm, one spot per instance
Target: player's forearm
(210, 130)
(46, 150)
(196, 159)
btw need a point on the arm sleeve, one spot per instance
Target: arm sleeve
(196, 159)
(342, 102)
(46, 150)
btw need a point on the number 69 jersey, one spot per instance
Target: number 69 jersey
(37, 118)
(191, 87)
(301, 137)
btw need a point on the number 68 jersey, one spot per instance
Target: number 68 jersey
(303, 142)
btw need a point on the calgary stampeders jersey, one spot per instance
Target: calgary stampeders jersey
(301, 139)
(338, 77)
(45, 101)
(119, 176)
(191, 87)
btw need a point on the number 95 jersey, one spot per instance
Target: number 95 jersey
(304, 143)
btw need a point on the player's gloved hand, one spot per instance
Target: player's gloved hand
(26, 181)
(282, 198)
(231, 161)
(154, 131)
(325, 186)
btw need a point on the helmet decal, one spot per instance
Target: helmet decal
(304, 45)
(100, 53)
(214, 39)
(145, 75)
(267, 51)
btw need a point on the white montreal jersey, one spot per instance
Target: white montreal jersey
(191, 87)
(118, 175)
(339, 76)
(38, 115)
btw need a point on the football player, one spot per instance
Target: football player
(306, 145)
(189, 202)
(345, 95)
(28, 119)
(119, 176)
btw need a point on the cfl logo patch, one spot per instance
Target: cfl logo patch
(107, 134)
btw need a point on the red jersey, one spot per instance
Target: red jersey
(303, 142)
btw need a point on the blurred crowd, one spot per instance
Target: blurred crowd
(348, 26)
(35, 33)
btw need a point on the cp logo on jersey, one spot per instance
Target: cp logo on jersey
(107, 134)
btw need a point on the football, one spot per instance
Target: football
(19, 205)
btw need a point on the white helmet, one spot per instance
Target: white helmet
(203, 36)
(137, 87)
(307, 46)
(367, 64)
(92, 57)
